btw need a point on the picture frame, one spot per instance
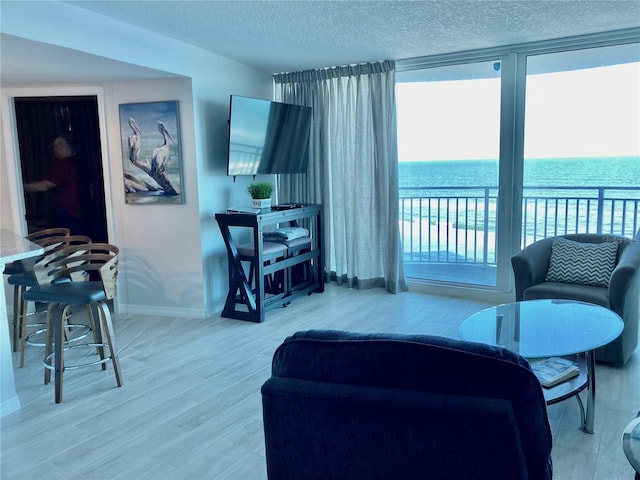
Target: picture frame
(151, 153)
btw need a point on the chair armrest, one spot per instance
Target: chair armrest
(624, 276)
(530, 265)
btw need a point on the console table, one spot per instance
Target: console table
(247, 302)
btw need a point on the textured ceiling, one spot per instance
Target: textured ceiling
(278, 36)
(286, 36)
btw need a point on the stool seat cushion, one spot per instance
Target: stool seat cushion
(268, 248)
(24, 279)
(14, 268)
(70, 293)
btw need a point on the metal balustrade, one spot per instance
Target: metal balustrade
(458, 224)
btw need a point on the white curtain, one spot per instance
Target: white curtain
(353, 169)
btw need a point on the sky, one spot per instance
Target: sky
(580, 113)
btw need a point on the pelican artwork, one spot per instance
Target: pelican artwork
(156, 167)
(134, 140)
(134, 126)
(161, 153)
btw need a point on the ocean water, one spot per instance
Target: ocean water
(557, 172)
(444, 208)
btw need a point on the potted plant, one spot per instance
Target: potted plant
(261, 194)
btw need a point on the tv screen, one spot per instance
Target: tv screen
(267, 137)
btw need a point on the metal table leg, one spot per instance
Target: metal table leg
(588, 418)
(58, 348)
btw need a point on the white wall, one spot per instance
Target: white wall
(161, 259)
(173, 257)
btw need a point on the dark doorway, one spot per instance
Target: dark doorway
(39, 121)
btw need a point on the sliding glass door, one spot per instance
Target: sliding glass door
(582, 143)
(448, 149)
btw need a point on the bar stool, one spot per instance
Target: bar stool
(299, 275)
(41, 238)
(26, 280)
(297, 241)
(70, 271)
(273, 283)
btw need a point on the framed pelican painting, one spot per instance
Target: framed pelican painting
(151, 156)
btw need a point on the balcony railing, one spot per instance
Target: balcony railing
(458, 224)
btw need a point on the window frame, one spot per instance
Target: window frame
(512, 120)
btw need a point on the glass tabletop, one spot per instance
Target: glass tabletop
(631, 443)
(544, 328)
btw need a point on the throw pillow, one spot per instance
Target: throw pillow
(582, 263)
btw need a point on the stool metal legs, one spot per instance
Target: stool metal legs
(17, 312)
(55, 345)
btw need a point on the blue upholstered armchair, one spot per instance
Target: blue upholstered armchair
(356, 406)
(575, 276)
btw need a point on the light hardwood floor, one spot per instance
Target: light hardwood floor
(190, 405)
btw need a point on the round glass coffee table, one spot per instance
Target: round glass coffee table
(550, 328)
(631, 444)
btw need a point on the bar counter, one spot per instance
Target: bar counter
(12, 247)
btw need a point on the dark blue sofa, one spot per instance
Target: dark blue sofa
(381, 406)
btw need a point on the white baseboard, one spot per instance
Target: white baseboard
(153, 310)
(463, 291)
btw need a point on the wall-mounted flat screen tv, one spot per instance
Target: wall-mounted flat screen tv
(267, 137)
